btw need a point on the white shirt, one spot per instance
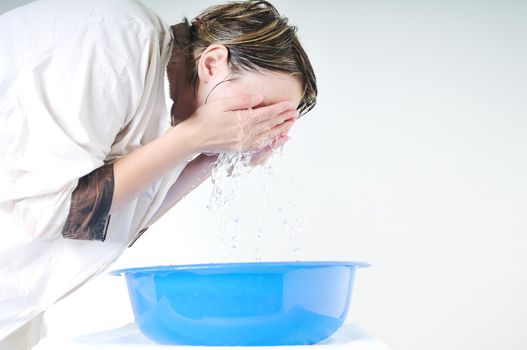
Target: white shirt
(82, 82)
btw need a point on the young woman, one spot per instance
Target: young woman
(90, 155)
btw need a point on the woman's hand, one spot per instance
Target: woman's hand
(260, 157)
(232, 125)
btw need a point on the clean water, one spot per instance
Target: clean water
(227, 178)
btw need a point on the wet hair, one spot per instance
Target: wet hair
(257, 38)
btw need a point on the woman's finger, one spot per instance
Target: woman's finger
(267, 137)
(277, 120)
(240, 102)
(261, 156)
(262, 114)
(271, 123)
(264, 154)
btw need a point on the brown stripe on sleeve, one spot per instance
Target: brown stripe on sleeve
(91, 200)
(139, 234)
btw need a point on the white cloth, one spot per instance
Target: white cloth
(348, 337)
(25, 337)
(82, 82)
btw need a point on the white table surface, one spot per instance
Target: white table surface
(350, 337)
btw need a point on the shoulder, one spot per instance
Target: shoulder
(59, 14)
(58, 18)
(128, 13)
(125, 30)
(132, 20)
(39, 26)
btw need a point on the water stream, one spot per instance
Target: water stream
(228, 175)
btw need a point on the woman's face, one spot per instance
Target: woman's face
(216, 81)
(273, 86)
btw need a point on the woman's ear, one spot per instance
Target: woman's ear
(213, 64)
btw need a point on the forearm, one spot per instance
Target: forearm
(137, 171)
(191, 177)
(219, 126)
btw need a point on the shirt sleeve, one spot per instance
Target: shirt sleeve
(70, 106)
(91, 201)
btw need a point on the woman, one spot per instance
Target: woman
(90, 155)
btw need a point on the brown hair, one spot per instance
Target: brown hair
(257, 38)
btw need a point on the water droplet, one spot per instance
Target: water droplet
(226, 177)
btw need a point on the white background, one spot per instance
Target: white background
(415, 160)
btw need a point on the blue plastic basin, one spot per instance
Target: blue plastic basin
(241, 304)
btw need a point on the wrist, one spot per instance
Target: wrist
(183, 138)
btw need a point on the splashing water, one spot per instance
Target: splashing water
(266, 208)
(227, 174)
